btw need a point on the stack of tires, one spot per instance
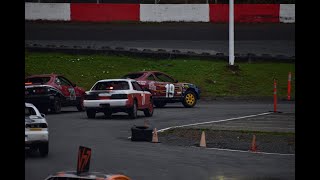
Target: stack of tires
(141, 133)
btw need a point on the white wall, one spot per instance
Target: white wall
(287, 13)
(174, 12)
(47, 11)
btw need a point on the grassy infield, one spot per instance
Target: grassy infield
(212, 76)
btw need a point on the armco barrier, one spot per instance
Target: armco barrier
(47, 11)
(104, 12)
(245, 13)
(174, 12)
(287, 13)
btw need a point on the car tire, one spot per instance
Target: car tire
(133, 114)
(80, 105)
(149, 111)
(141, 133)
(56, 105)
(159, 104)
(189, 99)
(91, 113)
(44, 149)
(108, 113)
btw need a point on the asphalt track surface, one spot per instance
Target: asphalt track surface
(272, 39)
(113, 152)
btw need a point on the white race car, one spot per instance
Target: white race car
(36, 130)
(118, 95)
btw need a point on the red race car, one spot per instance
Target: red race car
(53, 91)
(165, 89)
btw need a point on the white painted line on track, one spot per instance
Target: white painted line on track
(257, 152)
(208, 122)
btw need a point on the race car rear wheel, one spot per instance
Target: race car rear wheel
(56, 105)
(159, 104)
(108, 113)
(80, 105)
(190, 99)
(133, 114)
(44, 149)
(91, 113)
(149, 111)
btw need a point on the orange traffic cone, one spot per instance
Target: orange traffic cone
(203, 140)
(253, 144)
(146, 123)
(155, 136)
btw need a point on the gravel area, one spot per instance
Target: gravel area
(274, 134)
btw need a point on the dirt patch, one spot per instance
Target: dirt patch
(271, 142)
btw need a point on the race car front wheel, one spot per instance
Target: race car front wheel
(189, 99)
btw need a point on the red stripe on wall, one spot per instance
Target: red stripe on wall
(104, 12)
(248, 13)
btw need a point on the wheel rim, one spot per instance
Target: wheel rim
(190, 99)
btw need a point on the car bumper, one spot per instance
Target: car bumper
(33, 137)
(110, 103)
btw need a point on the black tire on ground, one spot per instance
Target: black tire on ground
(80, 106)
(149, 111)
(91, 113)
(108, 113)
(133, 113)
(44, 149)
(56, 105)
(159, 104)
(141, 133)
(190, 99)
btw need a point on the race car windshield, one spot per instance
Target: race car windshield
(133, 76)
(112, 85)
(37, 80)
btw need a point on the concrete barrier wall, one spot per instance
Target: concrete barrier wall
(215, 13)
(245, 13)
(47, 11)
(104, 12)
(174, 12)
(287, 13)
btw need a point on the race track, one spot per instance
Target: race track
(113, 152)
(272, 39)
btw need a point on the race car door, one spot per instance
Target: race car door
(66, 88)
(167, 87)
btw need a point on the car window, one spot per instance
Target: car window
(63, 81)
(111, 85)
(151, 78)
(37, 80)
(136, 86)
(133, 76)
(29, 111)
(164, 78)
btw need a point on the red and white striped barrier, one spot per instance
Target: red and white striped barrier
(215, 13)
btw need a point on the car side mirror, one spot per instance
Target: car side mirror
(145, 89)
(74, 84)
(43, 115)
(175, 81)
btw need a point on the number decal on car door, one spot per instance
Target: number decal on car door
(72, 93)
(169, 90)
(143, 99)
